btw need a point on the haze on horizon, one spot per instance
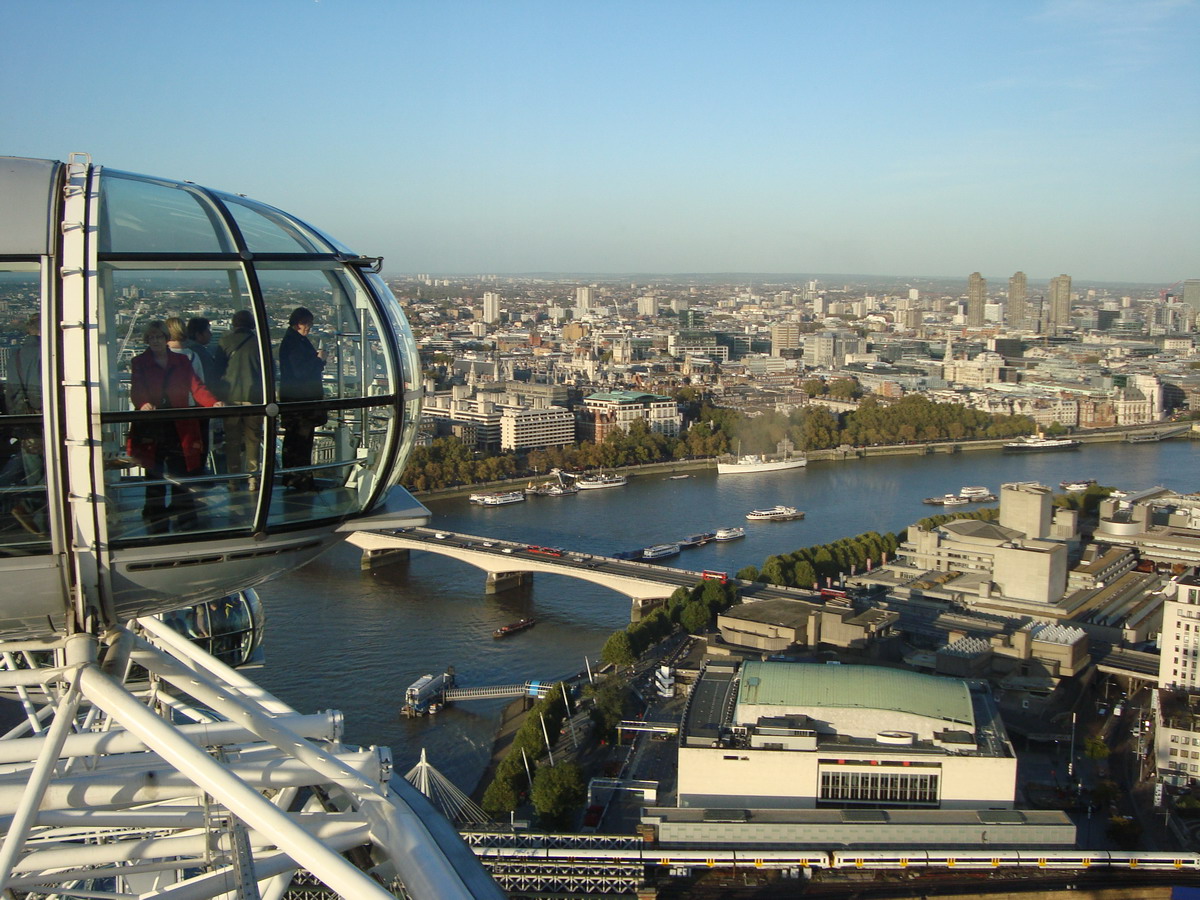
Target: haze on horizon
(674, 137)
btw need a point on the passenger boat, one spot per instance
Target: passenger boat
(952, 500)
(594, 482)
(660, 551)
(752, 465)
(500, 498)
(1032, 443)
(729, 534)
(560, 490)
(775, 514)
(1082, 485)
(677, 477)
(698, 540)
(513, 627)
(974, 493)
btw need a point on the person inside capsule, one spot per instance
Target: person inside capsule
(171, 448)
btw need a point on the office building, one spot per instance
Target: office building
(976, 299)
(1058, 304)
(786, 336)
(491, 307)
(536, 429)
(600, 413)
(1018, 293)
(585, 298)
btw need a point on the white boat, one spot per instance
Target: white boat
(660, 551)
(972, 493)
(775, 514)
(729, 534)
(752, 465)
(594, 482)
(1039, 442)
(1082, 485)
(499, 498)
(951, 500)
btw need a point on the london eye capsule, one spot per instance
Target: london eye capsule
(128, 486)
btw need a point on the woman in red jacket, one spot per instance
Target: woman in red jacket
(165, 380)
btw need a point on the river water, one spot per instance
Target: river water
(338, 637)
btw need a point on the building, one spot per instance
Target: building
(1179, 665)
(491, 307)
(536, 429)
(1191, 296)
(647, 306)
(1018, 293)
(786, 336)
(778, 735)
(1058, 304)
(585, 298)
(829, 349)
(600, 413)
(976, 300)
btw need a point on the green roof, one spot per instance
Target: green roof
(864, 687)
(625, 396)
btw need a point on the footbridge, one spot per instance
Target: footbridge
(537, 689)
(510, 564)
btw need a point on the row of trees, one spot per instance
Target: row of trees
(715, 431)
(555, 790)
(694, 609)
(810, 566)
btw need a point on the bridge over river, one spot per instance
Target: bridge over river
(509, 564)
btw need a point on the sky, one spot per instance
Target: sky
(841, 136)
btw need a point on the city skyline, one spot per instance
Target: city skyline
(877, 139)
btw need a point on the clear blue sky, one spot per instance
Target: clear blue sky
(853, 136)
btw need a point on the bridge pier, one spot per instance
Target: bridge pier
(387, 556)
(642, 607)
(503, 581)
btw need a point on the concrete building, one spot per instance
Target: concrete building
(1058, 304)
(585, 298)
(647, 306)
(491, 307)
(536, 429)
(976, 300)
(828, 349)
(1018, 293)
(1179, 665)
(786, 336)
(600, 413)
(777, 735)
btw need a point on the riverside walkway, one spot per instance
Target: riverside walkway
(509, 564)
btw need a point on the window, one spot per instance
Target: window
(24, 524)
(879, 786)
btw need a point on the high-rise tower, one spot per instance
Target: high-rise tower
(1017, 292)
(976, 300)
(1058, 303)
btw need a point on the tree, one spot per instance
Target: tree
(500, 797)
(617, 650)
(557, 790)
(1095, 748)
(695, 617)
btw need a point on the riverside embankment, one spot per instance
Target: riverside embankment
(843, 453)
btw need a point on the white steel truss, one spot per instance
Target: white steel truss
(146, 768)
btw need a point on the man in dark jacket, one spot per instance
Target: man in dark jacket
(300, 368)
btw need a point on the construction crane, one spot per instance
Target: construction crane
(1162, 295)
(137, 311)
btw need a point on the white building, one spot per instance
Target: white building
(491, 307)
(777, 735)
(536, 429)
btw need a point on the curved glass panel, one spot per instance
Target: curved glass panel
(268, 230)
(326, 341)
(143, 216)
(410, 374)
(231, 629)
(166, 474)
(24, 526)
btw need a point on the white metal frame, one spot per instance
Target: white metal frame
(191, 782)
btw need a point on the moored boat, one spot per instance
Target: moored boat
(1031, 443)
(775, 514)
(660, 551)
(499, 498)
(952, 500)
(698, 540)
(751, 465)
(1081, 485)
(513, 627)
(729, 534)
(974, 492)
(594, 482)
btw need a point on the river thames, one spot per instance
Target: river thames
(342, 638)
